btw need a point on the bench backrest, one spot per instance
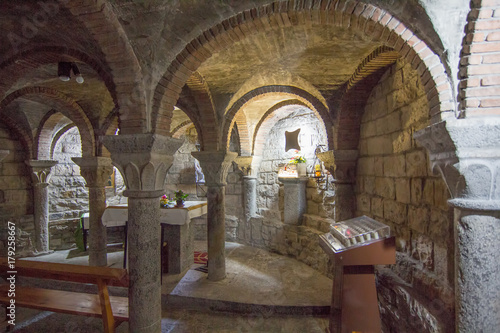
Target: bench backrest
(67, 272)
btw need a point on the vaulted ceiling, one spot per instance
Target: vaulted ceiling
(37, 35)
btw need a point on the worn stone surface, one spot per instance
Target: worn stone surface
(396, 188)
(478, 292)
(41, 176)
(144, 264)
(216, 233)
(96, 172)
(128, 46)
(295, 199)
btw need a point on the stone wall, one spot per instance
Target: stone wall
(274, 155)
(267, 230)
(395, 186)
(15, 195)
(182, 173)
(68, 196)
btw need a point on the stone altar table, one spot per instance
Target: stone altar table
(176, 234)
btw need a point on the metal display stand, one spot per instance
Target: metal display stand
(355, 250)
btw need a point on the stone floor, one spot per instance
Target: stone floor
(263, 292)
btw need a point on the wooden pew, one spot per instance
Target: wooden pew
(112, 309)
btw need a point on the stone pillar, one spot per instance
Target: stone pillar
(96, 171)
(41, 176)
(295, 199)
(143, 160)
(249, 166)
(342, 166)
(467, 154)
(250, 196)
(215, 166)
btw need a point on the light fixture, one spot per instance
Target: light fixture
(64, 71)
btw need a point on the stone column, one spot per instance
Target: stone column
(467, 154)
(96, 171)
(41, 176)
(295, 199)
(143, 160)
(342, 166)
(215, 166)
(250, 196)
(249, 166)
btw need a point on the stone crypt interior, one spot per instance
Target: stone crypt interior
(395, 104)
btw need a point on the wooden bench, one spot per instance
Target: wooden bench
(112, 309)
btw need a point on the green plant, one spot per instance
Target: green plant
(180, 196)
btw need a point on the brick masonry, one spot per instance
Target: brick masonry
(395, 186)
(480, 63)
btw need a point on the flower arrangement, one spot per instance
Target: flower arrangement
(179, 197)
(165, 201)
(297, 158)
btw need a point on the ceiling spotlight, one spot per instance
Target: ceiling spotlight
(76, 71)
(64, 71)
(79, 78)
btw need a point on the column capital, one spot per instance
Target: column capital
(467, 154)
(249, 165)
(215, 165)
(40, 170)
(96, 170)
(341, 164)
(143, 159)
(3, 153)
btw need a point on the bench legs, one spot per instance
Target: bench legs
(107, 313)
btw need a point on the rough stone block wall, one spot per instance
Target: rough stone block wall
(68, 196)
(15, 195)
(268, 230)
(320, 201)
(235, 210)
(181, 175)
(396, 187)
(274, 156)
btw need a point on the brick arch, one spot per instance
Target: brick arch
(44, 136)
(109, 127)
(209, 124)
(120, 57)
(110, 123)
(240, 120)
(479, 69)
(191, 110)
(374, 22)
(67, 107)
(56, 138)
(24, 136)
(181, 128)
(14, 68)
(266, 123)
(293, 93)
(355, 94)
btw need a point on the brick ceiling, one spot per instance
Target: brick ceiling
(325, 58)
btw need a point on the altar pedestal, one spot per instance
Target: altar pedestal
(177, 238)
(295, 199)
(354, 296)
(177, 248)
